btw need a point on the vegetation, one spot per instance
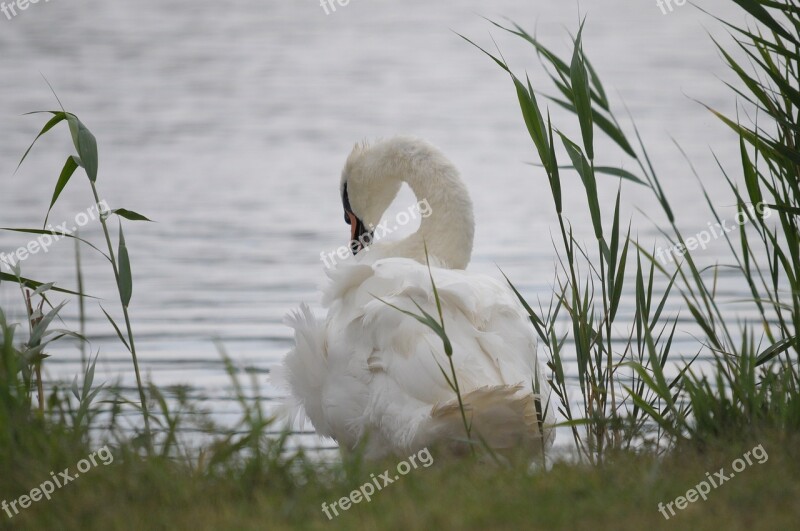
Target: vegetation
(623, 494)
(641, 437)
(754, 378)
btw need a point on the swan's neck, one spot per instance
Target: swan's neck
(447, 225)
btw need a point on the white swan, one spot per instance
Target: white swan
(370, 375)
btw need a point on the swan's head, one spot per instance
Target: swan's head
(371, 180)
(369, 185)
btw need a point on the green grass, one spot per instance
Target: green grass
(622, 494)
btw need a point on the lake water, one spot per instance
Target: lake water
(229, 125)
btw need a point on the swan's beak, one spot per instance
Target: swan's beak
(359, 235)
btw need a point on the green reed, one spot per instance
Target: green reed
(589, 287)
(87, 158)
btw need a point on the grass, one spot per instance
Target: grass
(622, 494)
(640, 438)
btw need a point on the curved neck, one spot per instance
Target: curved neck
(447, 224)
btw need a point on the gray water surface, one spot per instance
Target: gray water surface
(228, 124)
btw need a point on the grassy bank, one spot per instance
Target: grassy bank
(622, 494)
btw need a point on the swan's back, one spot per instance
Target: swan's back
(371, 371)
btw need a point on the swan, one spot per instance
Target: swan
(370, 376)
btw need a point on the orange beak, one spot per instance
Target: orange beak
(360, 237)
(353, 226)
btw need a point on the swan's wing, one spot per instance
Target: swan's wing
(396, 365)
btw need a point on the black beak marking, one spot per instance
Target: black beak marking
(361, 236)
(346, 204)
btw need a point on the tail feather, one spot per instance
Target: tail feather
(502, 416)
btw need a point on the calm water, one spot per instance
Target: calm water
(229, 124)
